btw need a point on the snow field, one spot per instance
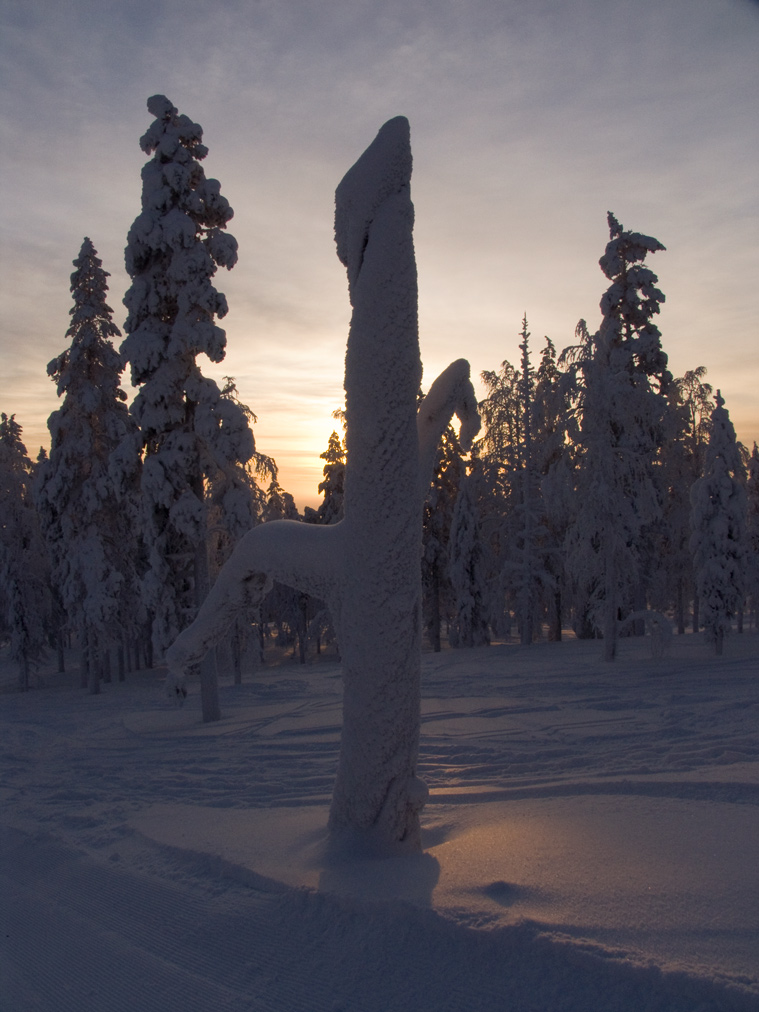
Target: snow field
(590, 842)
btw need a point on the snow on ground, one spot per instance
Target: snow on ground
(591, 842)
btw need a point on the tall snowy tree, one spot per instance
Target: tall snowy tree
(524, 414)
(25, 601)
(332, 488)
(718, 524)
(436, 535)
(89, 529)
(554, 438)
(189, 431)
(499, 455)
(682, 463)
(623, 379)
(467, 572)
(236, 502)
(752, 532)
(529, 572)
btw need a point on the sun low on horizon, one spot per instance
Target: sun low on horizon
(528, 124)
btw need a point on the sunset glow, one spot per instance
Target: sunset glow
(528, 124)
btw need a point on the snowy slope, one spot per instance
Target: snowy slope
(590, 842)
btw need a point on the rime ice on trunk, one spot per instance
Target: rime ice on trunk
(380, 624)
(368, 566)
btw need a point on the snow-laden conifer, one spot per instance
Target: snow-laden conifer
(718, 525)
(499, 454)
(25, 602)
(89, 529)
(467, 572)
(524, 414)
(554, 438)
(436, 535)
(332, 487)
(623, 377)
(280, 505)
(752, 531)
(528, 565)
(682, 462)
(189, 431)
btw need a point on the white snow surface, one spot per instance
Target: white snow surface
(590, 842)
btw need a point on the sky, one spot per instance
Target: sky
(529, 121)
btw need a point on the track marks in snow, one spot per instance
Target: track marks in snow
(94, 937)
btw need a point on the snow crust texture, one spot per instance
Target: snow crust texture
(589, 843)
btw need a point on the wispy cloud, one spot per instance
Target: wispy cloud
(529, 122)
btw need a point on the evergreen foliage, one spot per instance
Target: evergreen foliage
(718, 524)
(437, 522)
(600, 487)
(190, 432)
(469, 623)
(91, 531)
(622, 379)
(25, 602)
(332, 487)
(752, 531)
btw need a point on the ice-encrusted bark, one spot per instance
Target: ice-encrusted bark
(368, 566)
(380, 624)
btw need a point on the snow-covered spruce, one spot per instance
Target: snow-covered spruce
(623, 380)
(682, 463)
(436, 535)
(25, 603)
(752, 532)
(718, 524)
(89, 528)
(469, 626)
(189, 431)
(367, 567)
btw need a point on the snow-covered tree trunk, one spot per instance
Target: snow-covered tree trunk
(367, 567)
(380, 622)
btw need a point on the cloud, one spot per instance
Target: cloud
(529, 122)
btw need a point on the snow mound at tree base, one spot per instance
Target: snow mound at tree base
(630, 880)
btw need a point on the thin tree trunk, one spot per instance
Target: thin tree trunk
(209, 688)
(106, 666)
(60, 652)
(554, 631)
(122, 667)
(680, 607)
(434, 626)
(695, 612)
(209, 679)
(718, 643)
(84, 660)
(639, 625)
(237, 654)
(610, 608)
(23, 673)
(93, 681)
(302, 627)
(148, 648)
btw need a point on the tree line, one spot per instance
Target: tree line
(603, 493)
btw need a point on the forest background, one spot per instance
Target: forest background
(603, 491)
